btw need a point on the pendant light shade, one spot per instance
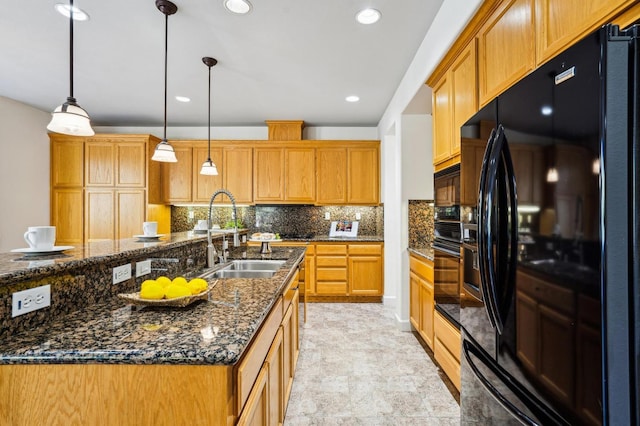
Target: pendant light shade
(164, 151)
(69, 118)
(208, 167)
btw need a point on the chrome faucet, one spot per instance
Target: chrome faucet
(212, 253)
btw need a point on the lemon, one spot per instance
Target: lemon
(176, 290)
(152, 291)
(182, 281)
(146, 283)
(198, 285)
(163, 281)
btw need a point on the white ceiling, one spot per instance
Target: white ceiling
(285, 60)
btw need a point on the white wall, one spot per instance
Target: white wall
(417, 157)
(24, 171)
(448, 23)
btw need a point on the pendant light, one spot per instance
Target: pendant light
(69, 118)
(208, 167)
(164, 151)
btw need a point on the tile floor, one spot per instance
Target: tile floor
(356, 368)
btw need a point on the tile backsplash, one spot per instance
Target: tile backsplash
(421, 223)
(282, 218)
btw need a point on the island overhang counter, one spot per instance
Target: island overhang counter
(114, 363)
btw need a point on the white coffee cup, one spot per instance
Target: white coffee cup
(150, 229)
(40, 237)
(202, 224)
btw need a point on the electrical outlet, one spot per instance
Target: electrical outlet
(358, 216)
(30, 300)
(143, 268)
(121, 273)
(191, 214)
(327, 216)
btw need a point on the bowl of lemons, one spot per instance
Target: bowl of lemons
(164, 291)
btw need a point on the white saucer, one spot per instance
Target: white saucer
(31, 251)
(148, 237)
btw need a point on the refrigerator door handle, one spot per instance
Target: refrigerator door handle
(510, 278)
(545, 417)
(488, 256)
(484, 278)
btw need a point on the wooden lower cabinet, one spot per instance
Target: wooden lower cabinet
(275, 383)
(447, 347)
(256, 411)
(421, 297)
(346, 271)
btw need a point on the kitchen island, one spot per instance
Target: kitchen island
(114, 363)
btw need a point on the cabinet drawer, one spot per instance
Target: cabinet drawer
(331, 274)
(448, 335)
(544, 292)
(422, 268)
(447, 362)
(331, 249)
(289, 292)
(365, 249)
(311, 249)
(331, 261)
(254, 358)
(331, 288)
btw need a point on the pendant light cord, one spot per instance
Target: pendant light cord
(166, 45)
(209, 114)
(71, 49)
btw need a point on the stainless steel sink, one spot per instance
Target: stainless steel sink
(255, 265)
(229, 273)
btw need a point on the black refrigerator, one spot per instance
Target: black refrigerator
(550, 334)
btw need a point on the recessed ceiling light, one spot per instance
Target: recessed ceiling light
(368, 16)
(352, 98)
(546, 110)
(239, 7)
(65, 10)
(183, 99)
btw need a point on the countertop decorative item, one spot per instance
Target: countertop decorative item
(134, 298)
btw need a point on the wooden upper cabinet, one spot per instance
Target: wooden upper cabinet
(99, 215)
(67, 160)
(131, 164)
(268, 174)
(238, 173)
(560, 23)
(67, 210)
(464, 92)
(506, 48)
(442, 122)
(100, 163)
(363, 184)
(300, 174)
(331, 171)
(180, 174)
(472, 154)
(205, 185)
(130, 208)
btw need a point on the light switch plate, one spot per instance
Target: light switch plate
(143, 268)
(358, 216)
(327, 216)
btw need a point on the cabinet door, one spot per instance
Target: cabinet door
(66, 215)
(99, 215)
(331, 170)
(130, 212)
(99, 163)
(300, 174)
(426, 314)
(275, 380)
(363, 176)
(464, 92)
(414, 297)
(471, 155)
(559, 23)
(310, 273)
(180, 175)
(256, 410)
(526, 327)
(67, 161)
(287, 345)
(268, 174)
(556, 367)
(131, 164)
(203, 185)
(238, 173)
(528, 163)
(506, 48)
(365, 275)
(442, 120)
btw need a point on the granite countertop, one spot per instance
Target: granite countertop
(426, 252)
(211, 332)
(16, 266)
(326, 238)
